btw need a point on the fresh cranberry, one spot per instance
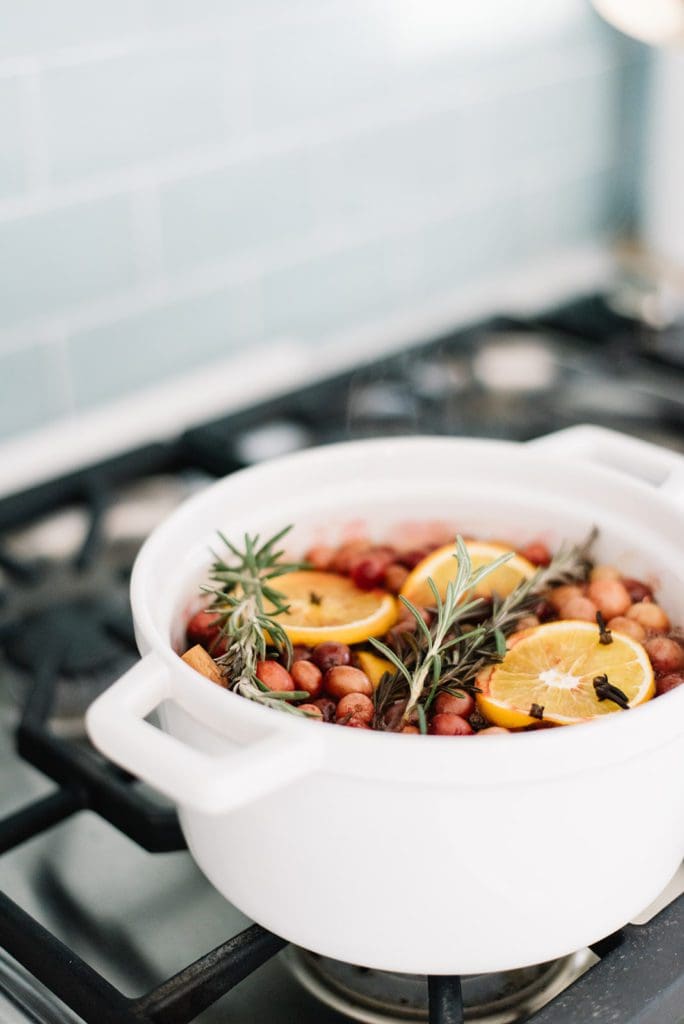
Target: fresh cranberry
(637, 590)
(536, 552)
(330, 654)
(369, 571)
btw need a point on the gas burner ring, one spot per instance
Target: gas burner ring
(383, 997)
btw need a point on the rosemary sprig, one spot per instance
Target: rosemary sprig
(247, 606)
(438, 643)
(467, 635)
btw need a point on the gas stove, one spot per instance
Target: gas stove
(100, 900)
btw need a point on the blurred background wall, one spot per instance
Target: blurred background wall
(179, 180)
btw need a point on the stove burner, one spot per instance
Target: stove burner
(70, 620)
(382, 997)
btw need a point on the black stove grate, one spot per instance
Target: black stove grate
(639, 978)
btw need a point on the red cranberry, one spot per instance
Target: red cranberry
(329, 655)
(461, 704)
(637, 590)
(356, 705)
(369, 572)
(203, 628)
(343, 679)
(667, 656)
(544, 610)
(536, 552)
(411, 558)
(669, 682)
(301, 653)
(307, 677)
(274, 676)
(447, 724)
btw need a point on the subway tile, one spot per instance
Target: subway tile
(12, 154)
(58, 259)
(574, 122)
(569, 213)
(457, 250)
(330, 292)
(139, 351)
(30, 388)
(225, 214)
(124, 111)
(43, 26)
(317, 67)
(400, 170)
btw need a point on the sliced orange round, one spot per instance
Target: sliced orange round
(441, 566)
(550, 672)
(326, 606)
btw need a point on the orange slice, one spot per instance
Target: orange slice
(554, 666)
(441, 566)
(325, 606)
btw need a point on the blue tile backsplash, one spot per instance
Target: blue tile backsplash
(178, 181)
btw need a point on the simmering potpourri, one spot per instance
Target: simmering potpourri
(467, 638)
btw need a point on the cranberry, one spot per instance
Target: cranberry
(637, 590)
(343, 679)
(447, 724)
(395, 577)
(355, 723)
(369, 571)
(611, 597)
(456, 704)
(307, 677)
(621, 624)
(329, 654)
(669, 682)
(301, 653)
(536, 552)
(411, 558)
(650, 615)
(204, 628)
(347, 555)
(356, 705)
(579, 608)
(274, 676)
(544, 610)
(320, 557)
(667, 656)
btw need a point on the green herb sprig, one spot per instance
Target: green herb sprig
(438, 641)
(246, 606)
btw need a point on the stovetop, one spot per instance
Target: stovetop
(99, 862)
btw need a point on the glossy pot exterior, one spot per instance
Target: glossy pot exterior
(404, 853)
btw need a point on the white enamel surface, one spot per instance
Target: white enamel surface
(408, 853)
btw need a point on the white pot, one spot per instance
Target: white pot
(403, 853)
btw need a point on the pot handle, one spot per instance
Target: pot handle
(203, 782)
(652, 464)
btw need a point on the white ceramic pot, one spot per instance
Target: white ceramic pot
(416, 854)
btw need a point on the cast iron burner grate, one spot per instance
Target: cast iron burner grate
(639, 977)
